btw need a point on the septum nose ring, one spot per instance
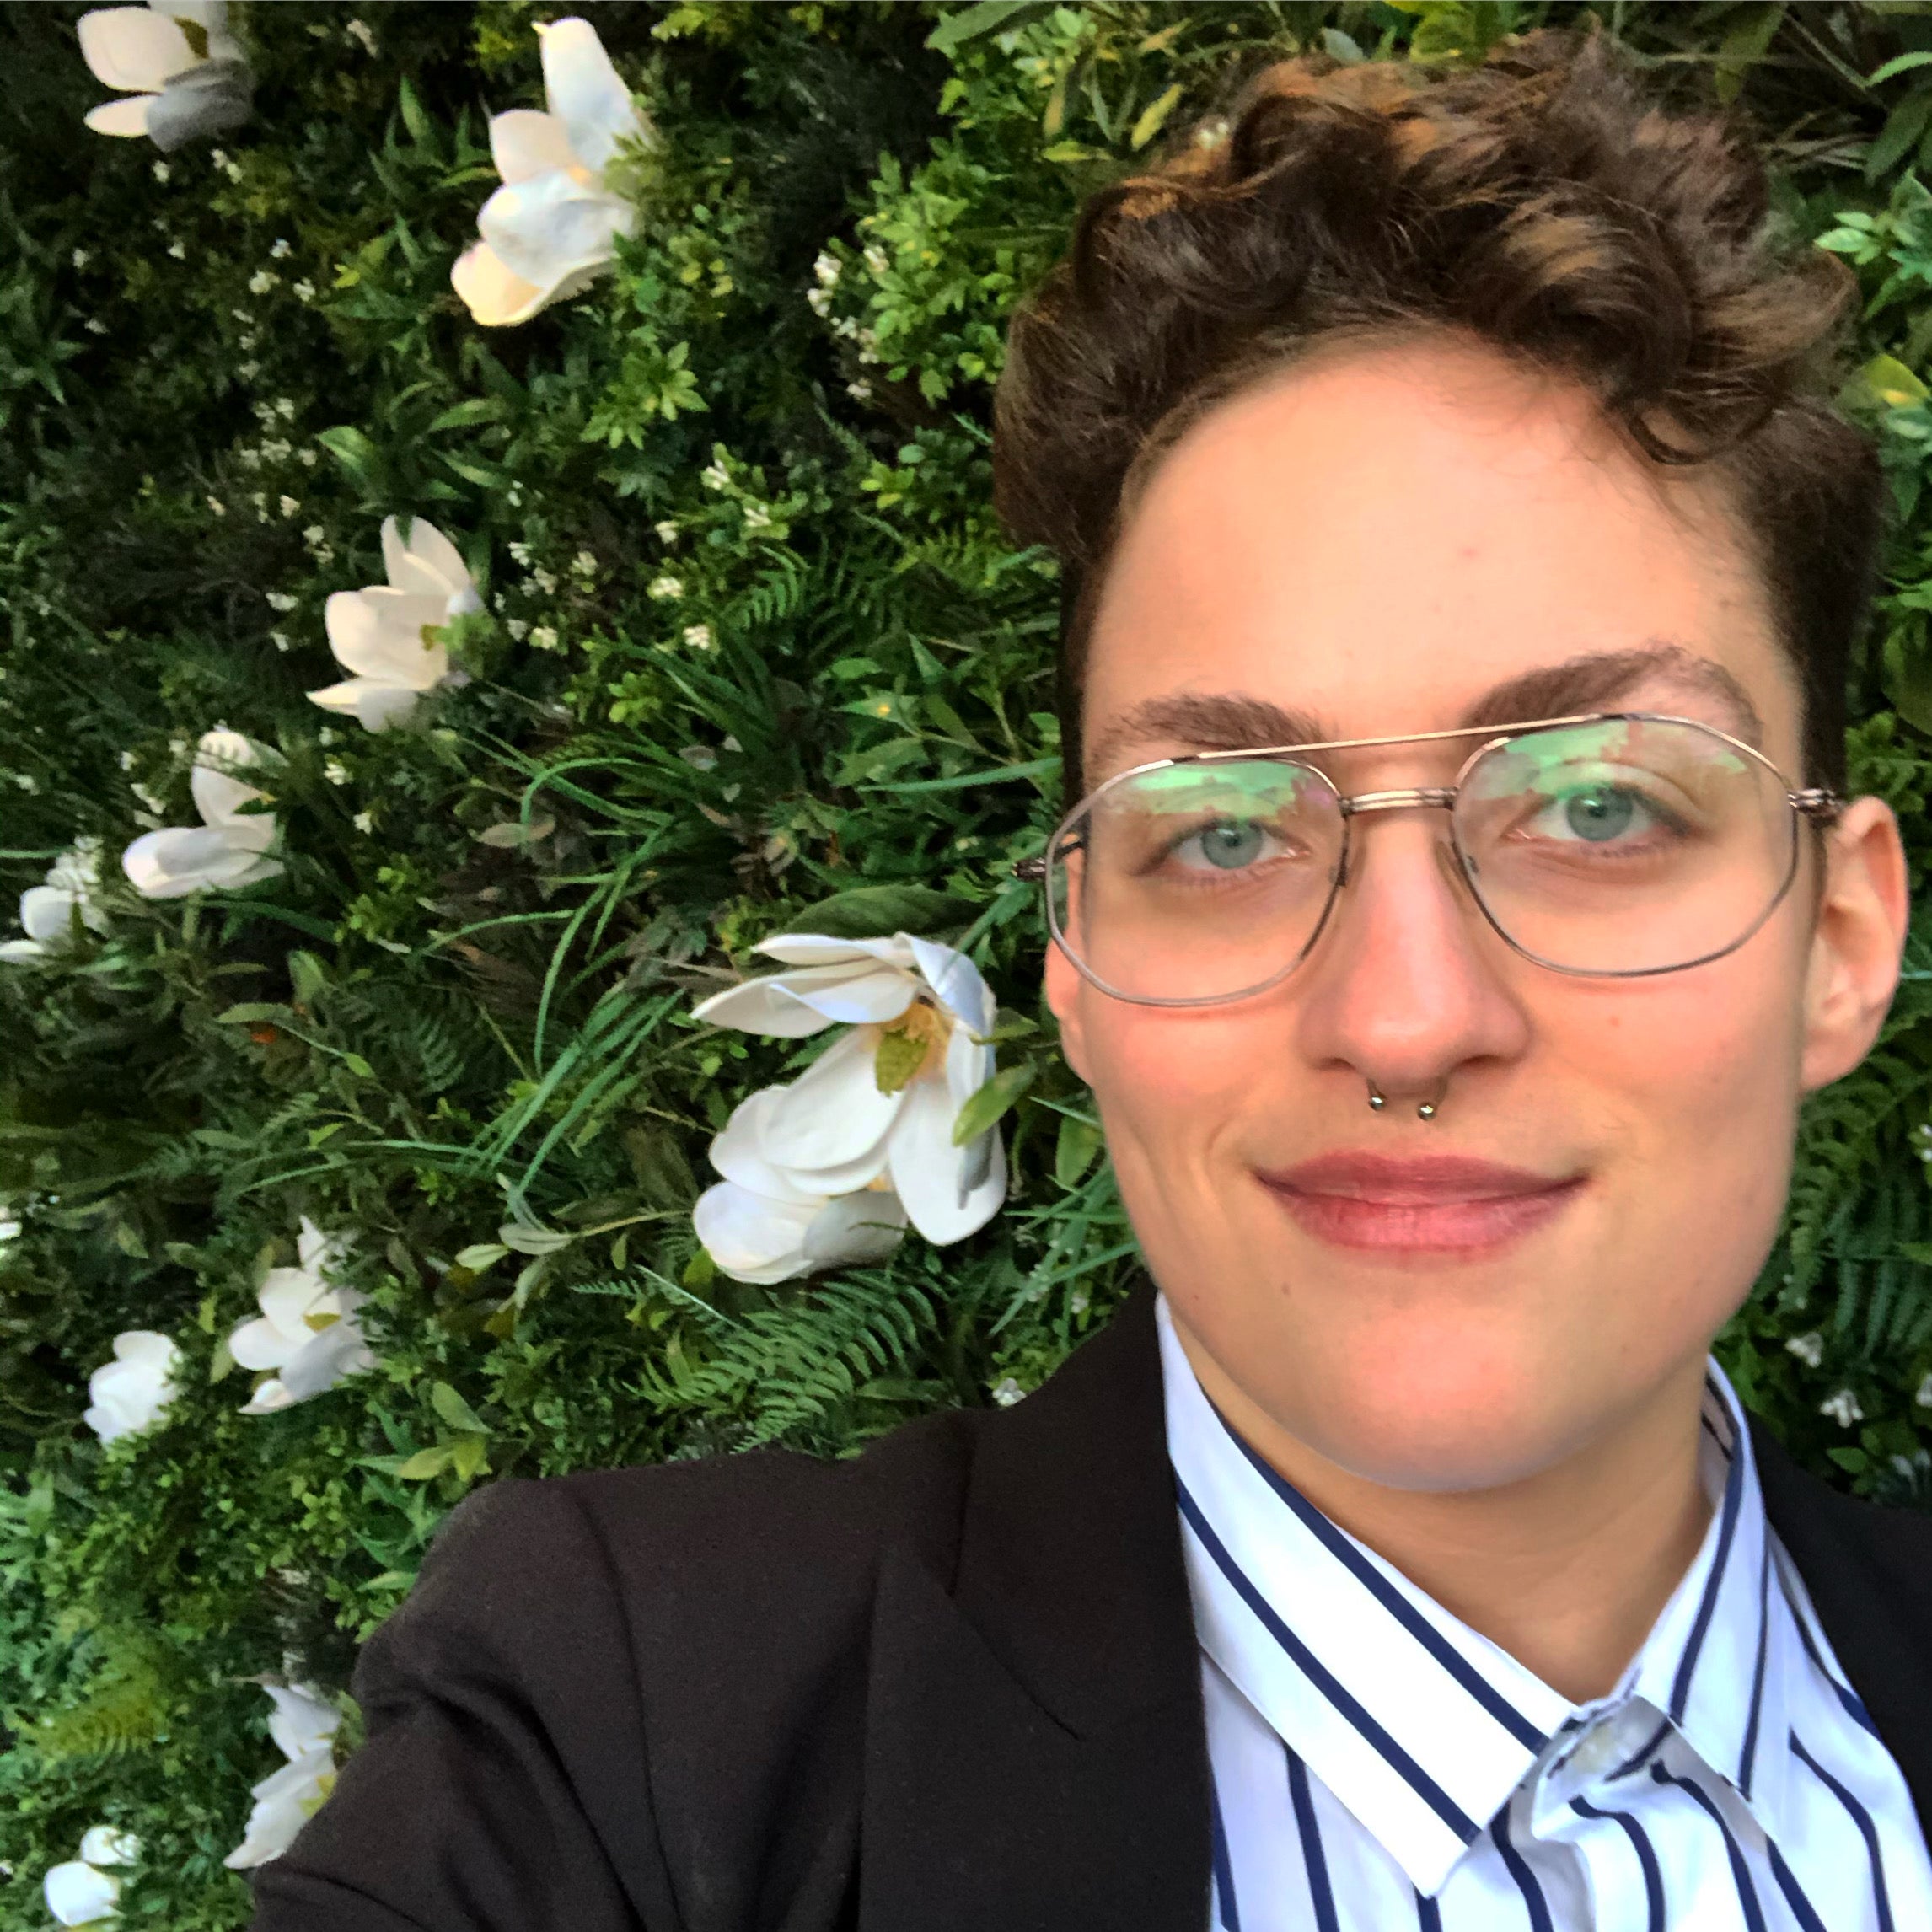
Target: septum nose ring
(1426, 1111)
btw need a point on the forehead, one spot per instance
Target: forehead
(1375, 541)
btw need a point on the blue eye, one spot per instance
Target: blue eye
(1229, 845)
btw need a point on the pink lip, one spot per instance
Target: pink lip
(1445, 1203)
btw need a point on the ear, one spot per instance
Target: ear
(1065, 995)
(1857, 939)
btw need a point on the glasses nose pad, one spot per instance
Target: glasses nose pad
(1458, 869)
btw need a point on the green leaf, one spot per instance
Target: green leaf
(464, 415)
(1898, 64)
(352, 450)
(252, 1013)
(872, 912)
(990, 1102)
(449, 1404)
(471, 1456)
(1745, 43)
(1148, 125)
(1079, 1143)
(1342, 47)
(358, 1066)
(527, 1240)
(414, 119)
(424, 1464)
(1908, 669)
(1902, 127)
(308, 976)
(1892, 383)
(483, 1254)
(964, 24)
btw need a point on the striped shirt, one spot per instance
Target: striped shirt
(1378, 1765)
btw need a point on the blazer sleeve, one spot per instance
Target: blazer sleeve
(503, 1786)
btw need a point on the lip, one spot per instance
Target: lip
(1445, 1203)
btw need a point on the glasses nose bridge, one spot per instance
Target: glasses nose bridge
(1443, 797)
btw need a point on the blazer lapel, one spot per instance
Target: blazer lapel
(1869, 1572)
(1036, 1756)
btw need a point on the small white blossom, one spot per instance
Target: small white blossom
(335, 771)
(279, 249)
(715, 476)
(1006, 1391)
(127, 761)
(364, 822)
(162, 171)
(281, 641)
(288, 506)
(818, 300)
(129, 1395)
(304, 290)
(825, 269)
(520, 555)
(545, 580)
(545, 637)
(218, 506)
(262, 280)
(665, 587)
(859, 391)
(82, 258)
(1809, 1348)
(179, 251)
(248, 371)
(519, 628)
(308, 458)
(757, 517)
(698, 636)
(666, 531)
(283, 600)
(1842, 1409)
(584, 564)
(95, 325)
(363, 34)
(875, 259)
(1924, 1397)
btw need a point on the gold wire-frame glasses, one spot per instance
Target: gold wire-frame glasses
(1742, 831)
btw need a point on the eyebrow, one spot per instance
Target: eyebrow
(1592, 682)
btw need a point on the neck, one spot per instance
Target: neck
(1566, 1570)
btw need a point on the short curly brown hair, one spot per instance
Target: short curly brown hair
(1543, 202)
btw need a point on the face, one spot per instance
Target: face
(1401, 539)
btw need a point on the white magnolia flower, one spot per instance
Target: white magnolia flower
(386, 634)
(306, 1331)
(78, 1893)
(104, 1845)
(759, 1224)
(47, 911)
(180, 74)
(551, 228)
(228, 848)
(303, 1727)
(880, 1105)
(129, 1393)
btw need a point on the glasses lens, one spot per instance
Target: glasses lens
(1625, 845)
(1197, 881)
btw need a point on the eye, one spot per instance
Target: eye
(1228, 845)
(1599, 814)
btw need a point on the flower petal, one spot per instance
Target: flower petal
(817, 949)
(524, 143)
(956, 981)
(949, 1192)
(378, 633)
(21, 951)
(103, 1845)
(738, 1154)
(544, 229)
(750, 1237)
(856, 1228)
(584, 93)
(375, 706)
(262, 1343)
(126, 117)
(218, 794)
(76, 1894)
(47, 913)
(787, 1005)
(833, 1118)
(283, 1803)
(302, 1721)
(208, 99)
(326, 1358)
(134, 49)
(178, 860)
(431, 549)
(270, 1399)
(493, 296)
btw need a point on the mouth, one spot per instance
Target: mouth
(1442, 1205)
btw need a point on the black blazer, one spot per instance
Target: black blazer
(948, 1686)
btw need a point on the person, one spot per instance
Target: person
(1461, 562)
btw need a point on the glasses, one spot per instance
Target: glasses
(1615, 845)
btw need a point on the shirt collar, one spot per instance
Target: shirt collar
(1420, 1725)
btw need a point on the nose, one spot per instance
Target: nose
(1408, 988)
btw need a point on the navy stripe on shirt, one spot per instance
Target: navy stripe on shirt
(1867, 1830)
(1337, 1544)
(1317, 1673)
(1646, 1856)
(1321, 1893)
(1740, 1871)
(1687, 1667)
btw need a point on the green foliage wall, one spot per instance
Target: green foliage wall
(464, 1004)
